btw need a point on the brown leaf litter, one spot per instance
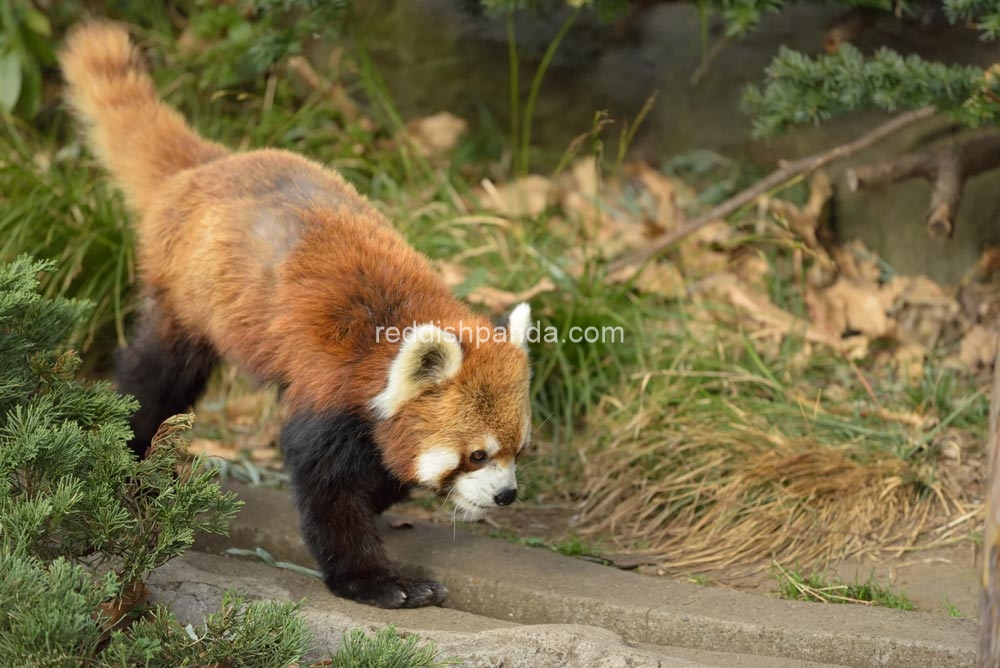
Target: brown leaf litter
(702, 496)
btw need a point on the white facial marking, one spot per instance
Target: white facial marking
(474, 491)
(434, 464)
(409, 373)
(492, 445)
(518, 323)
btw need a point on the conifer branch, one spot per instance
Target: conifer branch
(945, 167)
(800, 89)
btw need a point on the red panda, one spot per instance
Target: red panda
(276, 265)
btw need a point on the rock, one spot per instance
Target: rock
(192, 586)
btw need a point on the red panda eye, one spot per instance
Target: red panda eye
(478, 457)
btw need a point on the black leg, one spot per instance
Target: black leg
(340, 486)
(164, 371)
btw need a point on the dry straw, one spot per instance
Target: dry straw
(730, 470)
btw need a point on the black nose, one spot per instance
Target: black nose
(506, 497)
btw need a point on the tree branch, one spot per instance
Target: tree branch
(776, 178)
(946, 167)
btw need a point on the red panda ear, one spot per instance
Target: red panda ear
(427, 356)
(518, 324)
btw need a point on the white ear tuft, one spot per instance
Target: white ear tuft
(427, 356)
(518, 324)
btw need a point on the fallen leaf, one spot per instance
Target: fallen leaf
(760, 309)
(526, 196)
(494, 299)
(212, 448)
(752, 268)
(923, 312)
(501, 300)
(979, 347)
(437, 134)
(700, 261)
(657, 197)
(980, 301)
(658, 278)
(112, 613)
(700, 253)
(854, 260)
(452, 273)
(580, 198)
(806, 221)
(248, 408)
(265, 455)
(910, 358)
(852, 306)
(585, 176)
(716, 234)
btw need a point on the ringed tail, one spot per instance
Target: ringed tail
(139, 139)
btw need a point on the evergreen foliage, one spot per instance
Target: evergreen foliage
(47, 616)
(69, 487)
(800, 89)
(81, 522)
(385, 649)
(984, 13)
(240, 635)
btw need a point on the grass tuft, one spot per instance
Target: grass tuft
(386, 648)
(953, 610)
(736, 452)
(55, 205)
(795, 585)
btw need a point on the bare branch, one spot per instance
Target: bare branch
(946, 167)
(776, 178)
(884, 173)
(946, 196)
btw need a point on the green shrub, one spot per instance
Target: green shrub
(82, 523)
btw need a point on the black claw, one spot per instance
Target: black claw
(395, 592)
(418, 594)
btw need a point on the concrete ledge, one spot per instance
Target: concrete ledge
(513, 583)
(193, 586)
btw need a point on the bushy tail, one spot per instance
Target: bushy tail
(140, 140)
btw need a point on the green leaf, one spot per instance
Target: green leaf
(38, 22)
(10, 80)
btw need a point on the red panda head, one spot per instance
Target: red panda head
(455, 414)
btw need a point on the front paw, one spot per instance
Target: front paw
(391, 591)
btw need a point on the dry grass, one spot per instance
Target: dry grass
(720, 463)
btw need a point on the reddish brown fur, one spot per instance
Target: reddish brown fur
(280, 266)
(141, 141)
